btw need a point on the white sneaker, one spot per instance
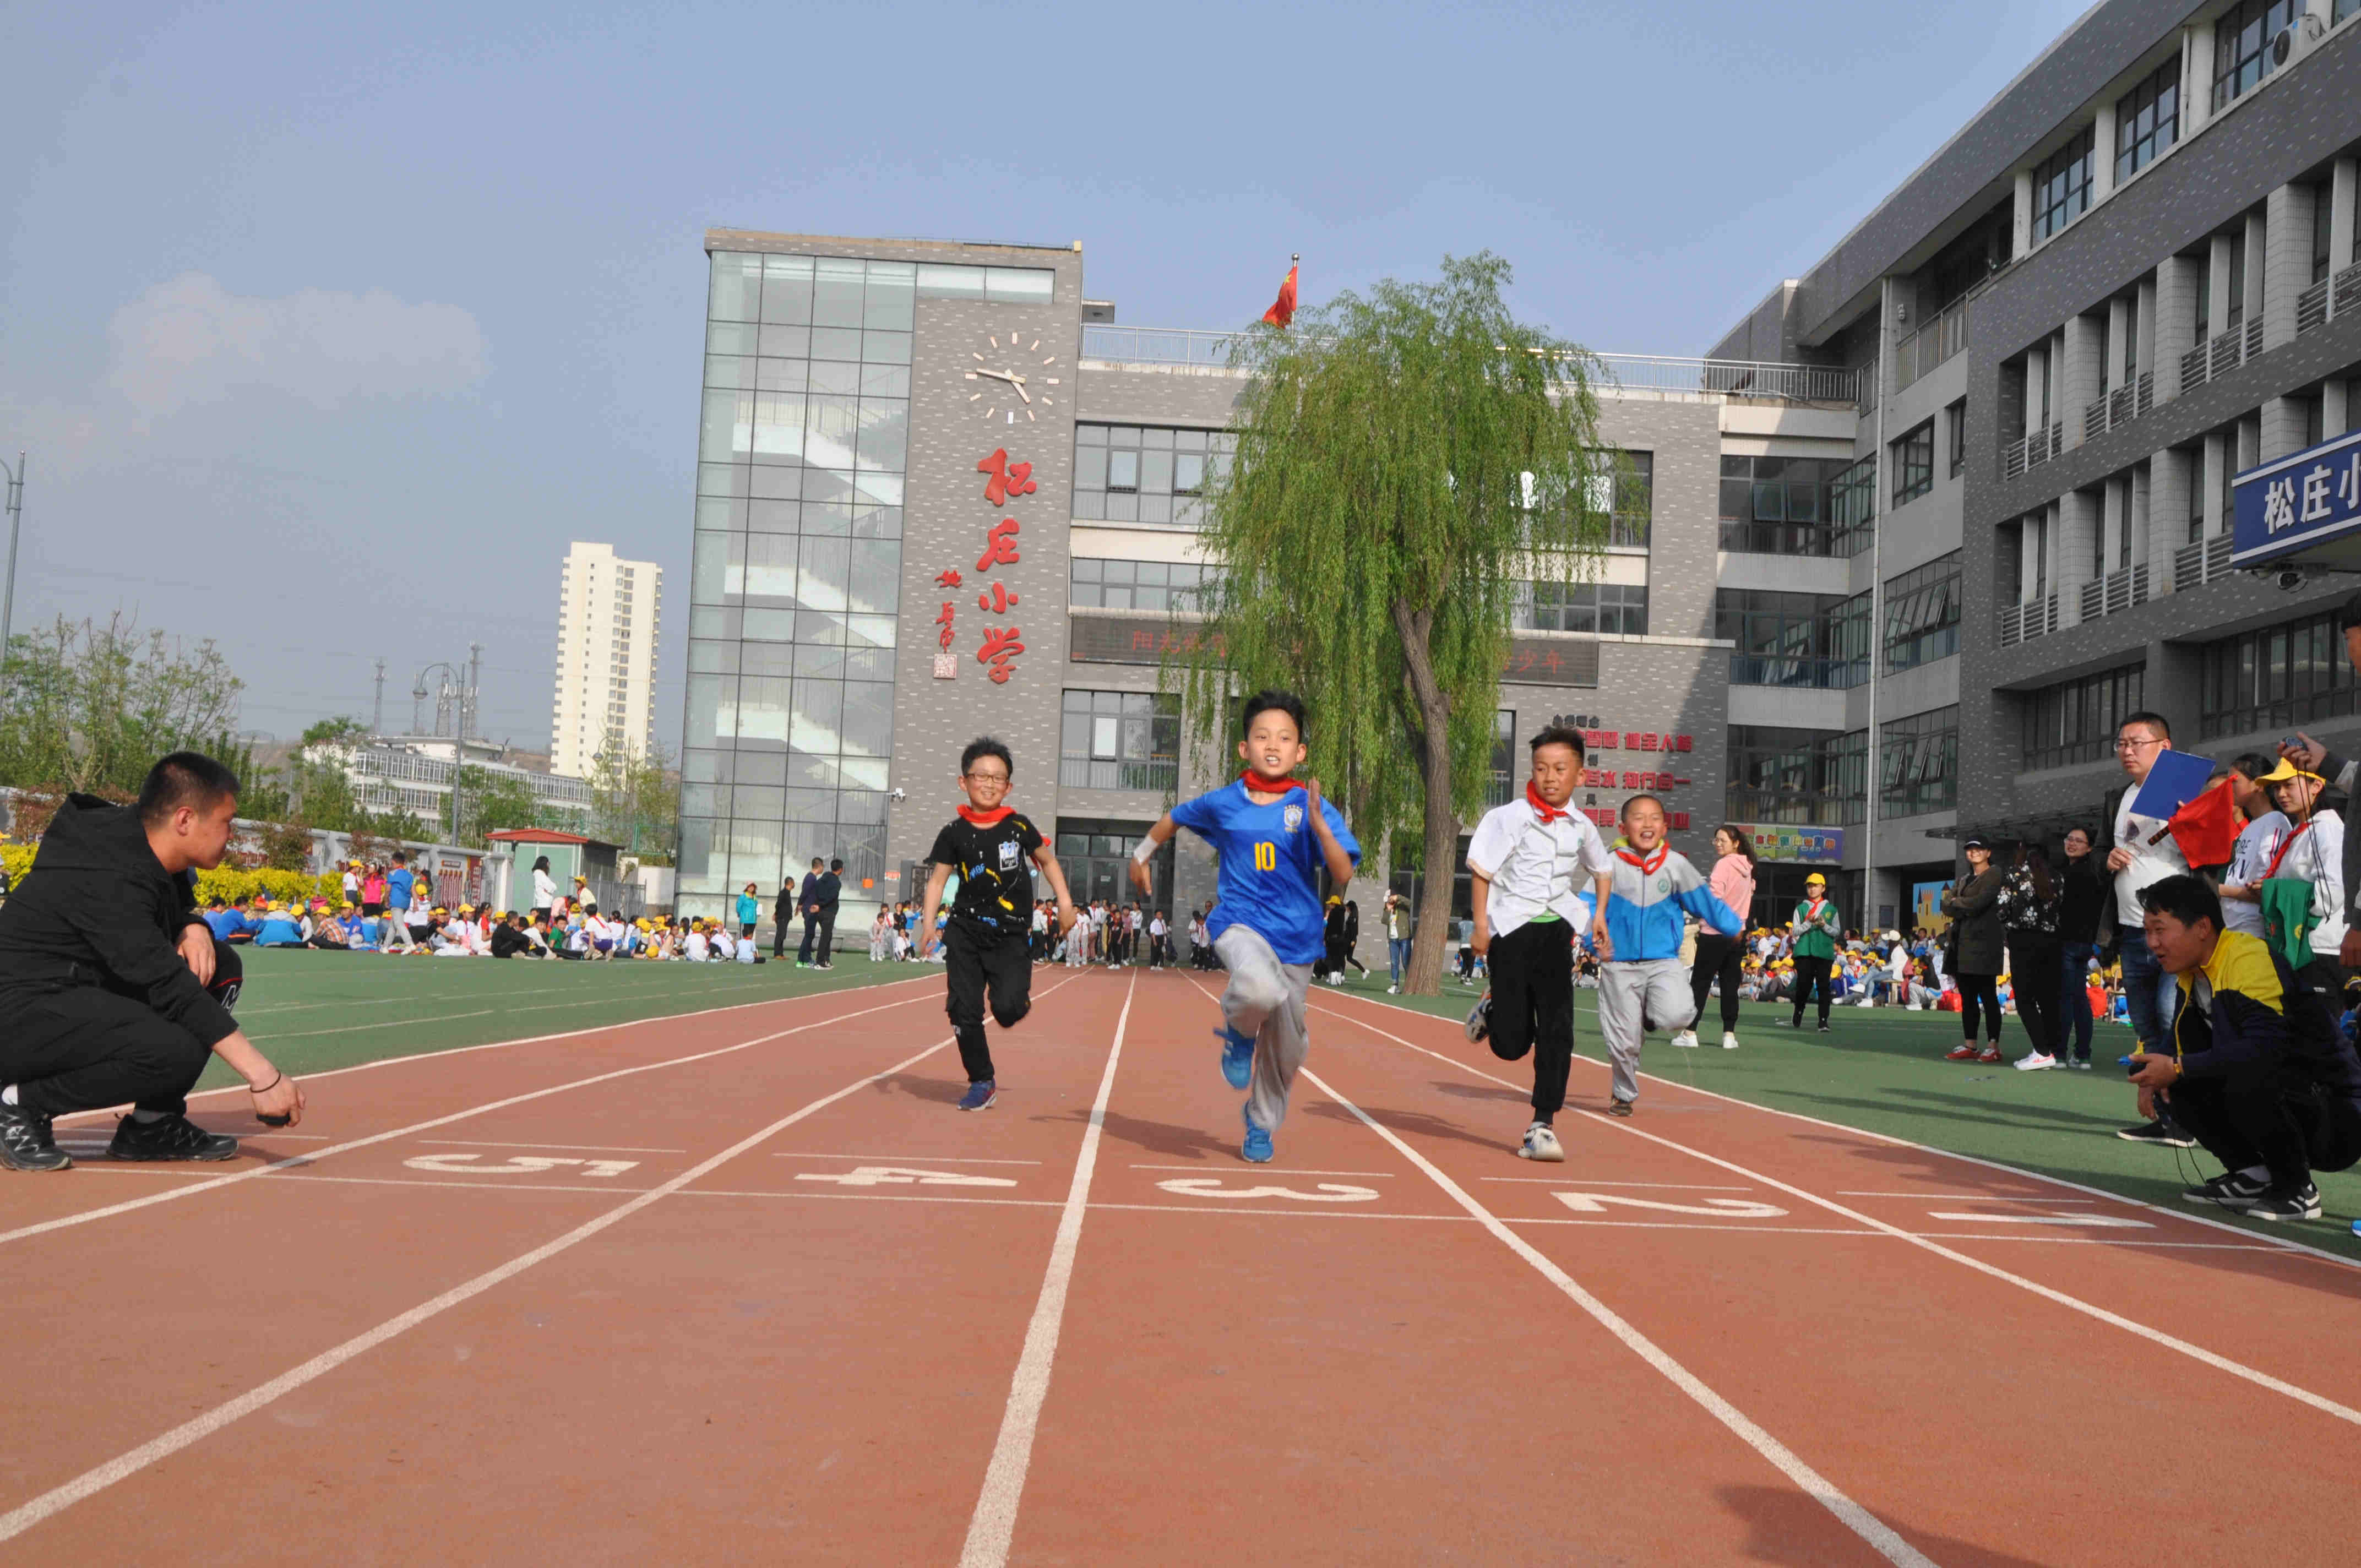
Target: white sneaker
(1393, 991)
(1686, 1039)
(2035, 1061)
(1541, 1144)
(1728, 1041)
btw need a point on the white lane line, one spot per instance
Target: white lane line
(1967, 1197)
(993, 1523)
(1644, 1186)
(1200, 1169)
(929, 1158)
(108, 1211)
(2089, 1222)
(593, 1148)
(123, 1466)
(2260, 1238)
(417, 1057)
(2260, 1378)
(1880, 1536)
(387, 1024)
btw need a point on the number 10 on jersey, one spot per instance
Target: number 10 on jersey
(1265, 856)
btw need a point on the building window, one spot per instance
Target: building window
(1818, 640)
(2238, 311)
(1119, 741)
(1138, 585)
(1096, 858)
(2075, 722)
(1955, 436)
(1627, 499)
(2276, 678)
(1852, 506)
(1126, 473)
(1615, 608)
(2147, 119)
(1914, 464)
(2061, 185)
(2323, 214)
(1504, 757)
(1804, 777)
(1919, 759)
(1922, 614)
(1781, 506)
(2242, 45)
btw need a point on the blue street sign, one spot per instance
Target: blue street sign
(2298, 502)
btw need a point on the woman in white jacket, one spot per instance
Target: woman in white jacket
(545, 887)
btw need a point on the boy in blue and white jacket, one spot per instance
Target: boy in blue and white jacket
(1641, 976)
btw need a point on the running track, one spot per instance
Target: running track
(779, 1301)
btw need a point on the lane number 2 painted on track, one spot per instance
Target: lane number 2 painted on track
(520, 1165)
(905, 1176)
(1717, 1208)
(1212, 1186)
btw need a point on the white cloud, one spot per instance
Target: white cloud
(192, 341)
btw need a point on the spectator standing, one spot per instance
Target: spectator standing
(2135, 861)
(749, 911)
(2312, 851)
(826, 893)
(2028, 920)
(1973, 905)
(2346, 774)
(2257, 846)
(807, 903)
(1718, 957)
(1331, 967)
(1352, 937)
(545, 887)
(2081, 901)
(373, 893)
(1159, 947)
(400, 891)
(782, 913)
(352, 882)
(1812, 935)
(1397, 917)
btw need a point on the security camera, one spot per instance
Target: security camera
(2291, 578)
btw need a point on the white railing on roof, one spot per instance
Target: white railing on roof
(1635, 372)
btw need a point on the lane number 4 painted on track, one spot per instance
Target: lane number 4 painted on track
(520, 1165)
(1715, 1208)
(905, 1176)
(1212, 1186)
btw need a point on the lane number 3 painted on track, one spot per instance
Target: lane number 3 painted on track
(1211, 1186)
(1717, 1208)
(522, 1165)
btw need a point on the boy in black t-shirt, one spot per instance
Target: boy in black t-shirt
(986, 940)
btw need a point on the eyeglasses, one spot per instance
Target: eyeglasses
(2135, 745)
(989, 778)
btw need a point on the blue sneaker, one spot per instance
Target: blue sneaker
(1237, 1058)
(1257, 1151)
(978, 1096)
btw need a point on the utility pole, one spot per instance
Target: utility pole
(376, 713)
(467, 711)
(16, 515)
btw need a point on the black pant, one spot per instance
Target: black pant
(2257, 1117)
(1973, 989)
(2326, 976)
(976, 962)
(2036, 975)
(779, 918)
(1533, 1005)
(1718, 958)
(1810, 972)
(79, 1046)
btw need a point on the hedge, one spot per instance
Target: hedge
(226, 882)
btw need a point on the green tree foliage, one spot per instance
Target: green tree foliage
(635, 801)
(337, 731)
(1406, 461)
(490, 801)
(86, 706)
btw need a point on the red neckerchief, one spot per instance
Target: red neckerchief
(986, 818)
(1647, 867)
(1260, 786)
(1543, 808)
(2285, 845)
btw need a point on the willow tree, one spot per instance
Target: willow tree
(1407, 461)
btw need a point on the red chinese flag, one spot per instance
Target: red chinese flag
(1282, 309)
(2207, 827)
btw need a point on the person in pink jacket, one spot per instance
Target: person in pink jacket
(1718, 957)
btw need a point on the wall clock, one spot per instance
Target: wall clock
(1011, 376)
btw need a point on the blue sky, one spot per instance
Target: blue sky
(331, 326)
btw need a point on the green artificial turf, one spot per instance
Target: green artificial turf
(314, 1011)
(1881, 1070)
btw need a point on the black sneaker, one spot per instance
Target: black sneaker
(2303, 1203)
(25, 1143)
(172, 1138)
(1619, 1107)
(2162, 1134)
(1824, 1029)
(2229, 1187)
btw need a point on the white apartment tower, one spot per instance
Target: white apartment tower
(607, 613)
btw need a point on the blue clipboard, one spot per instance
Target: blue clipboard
(2176, 779)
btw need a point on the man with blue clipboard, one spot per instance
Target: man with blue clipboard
(2140, 852)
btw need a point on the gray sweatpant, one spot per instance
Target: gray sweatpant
(1265, 999)
(1653, 989)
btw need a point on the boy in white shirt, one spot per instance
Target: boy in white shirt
(1530, 860)
(695, 947)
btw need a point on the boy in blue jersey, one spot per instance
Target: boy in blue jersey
(1640, 975)
(1273, 834)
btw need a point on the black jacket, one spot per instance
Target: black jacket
(2077, 908)
(103, 911)
(1973, 905)
(2259, 1018)
(827, 889)
(785, 908)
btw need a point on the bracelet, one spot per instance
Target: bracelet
(268, 1086)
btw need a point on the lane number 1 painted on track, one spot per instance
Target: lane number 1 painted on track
(905, 1176)
(1715, 1208)
(522, 1165)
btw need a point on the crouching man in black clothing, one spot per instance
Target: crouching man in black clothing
(2258, 1073)
(114, 988)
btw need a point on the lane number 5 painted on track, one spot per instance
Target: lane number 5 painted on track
(522, 1165)
(1717, 1208)
(1211, 1186)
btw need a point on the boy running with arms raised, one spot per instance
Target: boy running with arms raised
(986, 942)
(1273, 834)
(1530, 860)
(1639, 972)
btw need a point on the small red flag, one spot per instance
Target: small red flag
(1282, 309)
(2207, 827)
